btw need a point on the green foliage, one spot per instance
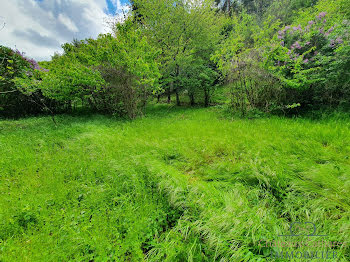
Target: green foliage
(239, 60)
(15, 97)
(184, 32)
(180, 184)
(12, 65)
(288, 10)
(313, 57)
(238, 42)
(114, 73)
(68, 80)
(176, 48)
(304, 63)
(198, 78)
(337, 11)
(128, 65)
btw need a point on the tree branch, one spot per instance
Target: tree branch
(6, 92)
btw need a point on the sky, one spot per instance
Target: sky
(39, 27)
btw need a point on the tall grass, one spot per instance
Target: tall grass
(176, 185)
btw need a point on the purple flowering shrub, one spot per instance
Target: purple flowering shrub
(311, 56)
(31, 62)
(29, 80)
(15, 68)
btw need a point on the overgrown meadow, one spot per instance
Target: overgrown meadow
(176, 185)
(193, 131)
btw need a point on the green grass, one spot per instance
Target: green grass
(175, 185)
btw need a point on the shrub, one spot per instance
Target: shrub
(114, 74)
(119, 70)
(240, 61)
(14, 100)
(70, 80)
(312, 62)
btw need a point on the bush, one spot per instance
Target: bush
(252, 87)
(113, 74)
(312, 62)
(14, 100)
(69, 80)
(118, 96)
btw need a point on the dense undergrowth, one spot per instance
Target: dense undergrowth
(175, 185)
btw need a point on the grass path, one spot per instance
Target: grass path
(176, 185)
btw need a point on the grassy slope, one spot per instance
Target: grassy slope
(177, 185)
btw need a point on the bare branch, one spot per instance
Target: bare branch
(6, 92)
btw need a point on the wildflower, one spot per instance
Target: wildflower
(330, 30)
(311, 22)
(297, 45)
(332, 44)
(282, 43)
(321, 15)
(308, 43)
(339, 40)
(306, 61)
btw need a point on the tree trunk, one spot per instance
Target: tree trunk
(177, 97)
(177, 85)
(206, 97)
(169, 93)
(69, 106)
(191, 96)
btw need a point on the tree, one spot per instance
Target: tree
(182, 31)
(115, 73)
(228, 5)
(13, 100)
(313, 61)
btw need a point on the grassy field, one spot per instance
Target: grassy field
(175, 185)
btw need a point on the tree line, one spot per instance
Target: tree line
(272, 55)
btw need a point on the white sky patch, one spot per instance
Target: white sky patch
(68, 23)
(39, 28)
(95, 14)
